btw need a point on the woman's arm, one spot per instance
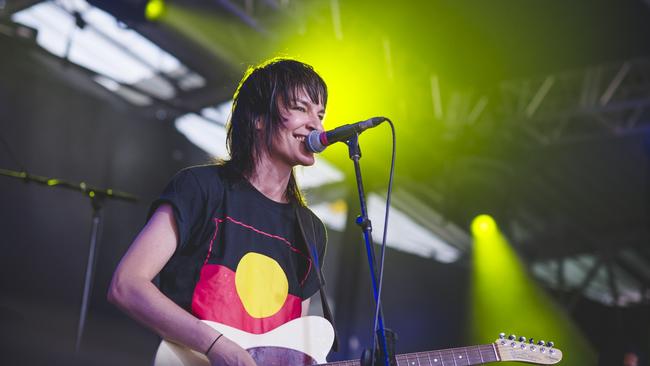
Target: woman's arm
(132, 290)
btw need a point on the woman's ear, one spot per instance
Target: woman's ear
(259, 124)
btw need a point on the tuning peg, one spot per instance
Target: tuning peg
(541, 343)
(512, 337)
(522, 339)
(502, 335)
(550, 344)
(531, 341)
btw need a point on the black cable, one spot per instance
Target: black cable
(383, 246)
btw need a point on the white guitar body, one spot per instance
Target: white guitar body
(310, 336)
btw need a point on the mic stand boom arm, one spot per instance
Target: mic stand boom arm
(387, 350)
(97, 197)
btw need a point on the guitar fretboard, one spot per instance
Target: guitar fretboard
(462, 356)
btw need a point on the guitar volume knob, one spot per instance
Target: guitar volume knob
(522, 339)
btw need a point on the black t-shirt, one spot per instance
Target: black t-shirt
(241, 259)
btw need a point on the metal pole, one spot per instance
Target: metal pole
(90, 269)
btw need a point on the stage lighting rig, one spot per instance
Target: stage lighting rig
(132, 11)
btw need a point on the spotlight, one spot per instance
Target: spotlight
(132, 10)
(483, 225)
(154, 10)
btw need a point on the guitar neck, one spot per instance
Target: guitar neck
(462, 356)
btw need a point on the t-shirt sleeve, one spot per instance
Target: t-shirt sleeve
(312, 284)
(187, 199)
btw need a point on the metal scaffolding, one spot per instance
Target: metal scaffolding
(605, 100)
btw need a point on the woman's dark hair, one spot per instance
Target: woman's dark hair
(261, 94)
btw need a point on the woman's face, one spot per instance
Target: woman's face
(299, 117)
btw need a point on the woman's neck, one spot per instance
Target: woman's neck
(271, 180)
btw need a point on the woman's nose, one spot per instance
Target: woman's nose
(315, 123)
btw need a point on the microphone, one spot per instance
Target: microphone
(317, 141)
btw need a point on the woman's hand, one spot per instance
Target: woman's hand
(228, 353)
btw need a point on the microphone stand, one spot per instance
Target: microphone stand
(97, 197)
(387, 349)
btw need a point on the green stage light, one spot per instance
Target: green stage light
(484, 225)
(505, 298)
(154, 10)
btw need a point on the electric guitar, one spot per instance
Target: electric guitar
(307, 340)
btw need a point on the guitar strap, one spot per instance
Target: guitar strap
(306, 224)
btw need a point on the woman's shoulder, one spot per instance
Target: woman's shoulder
(203, 171)
(208, 176)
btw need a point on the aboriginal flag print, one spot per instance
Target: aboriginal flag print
(251, 278)
(241, 258)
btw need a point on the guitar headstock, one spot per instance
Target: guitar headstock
(523, 350)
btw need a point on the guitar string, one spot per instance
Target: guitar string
(481, 349)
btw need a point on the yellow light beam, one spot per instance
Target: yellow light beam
(506, 299)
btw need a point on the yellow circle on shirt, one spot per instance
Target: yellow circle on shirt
(261, 285)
